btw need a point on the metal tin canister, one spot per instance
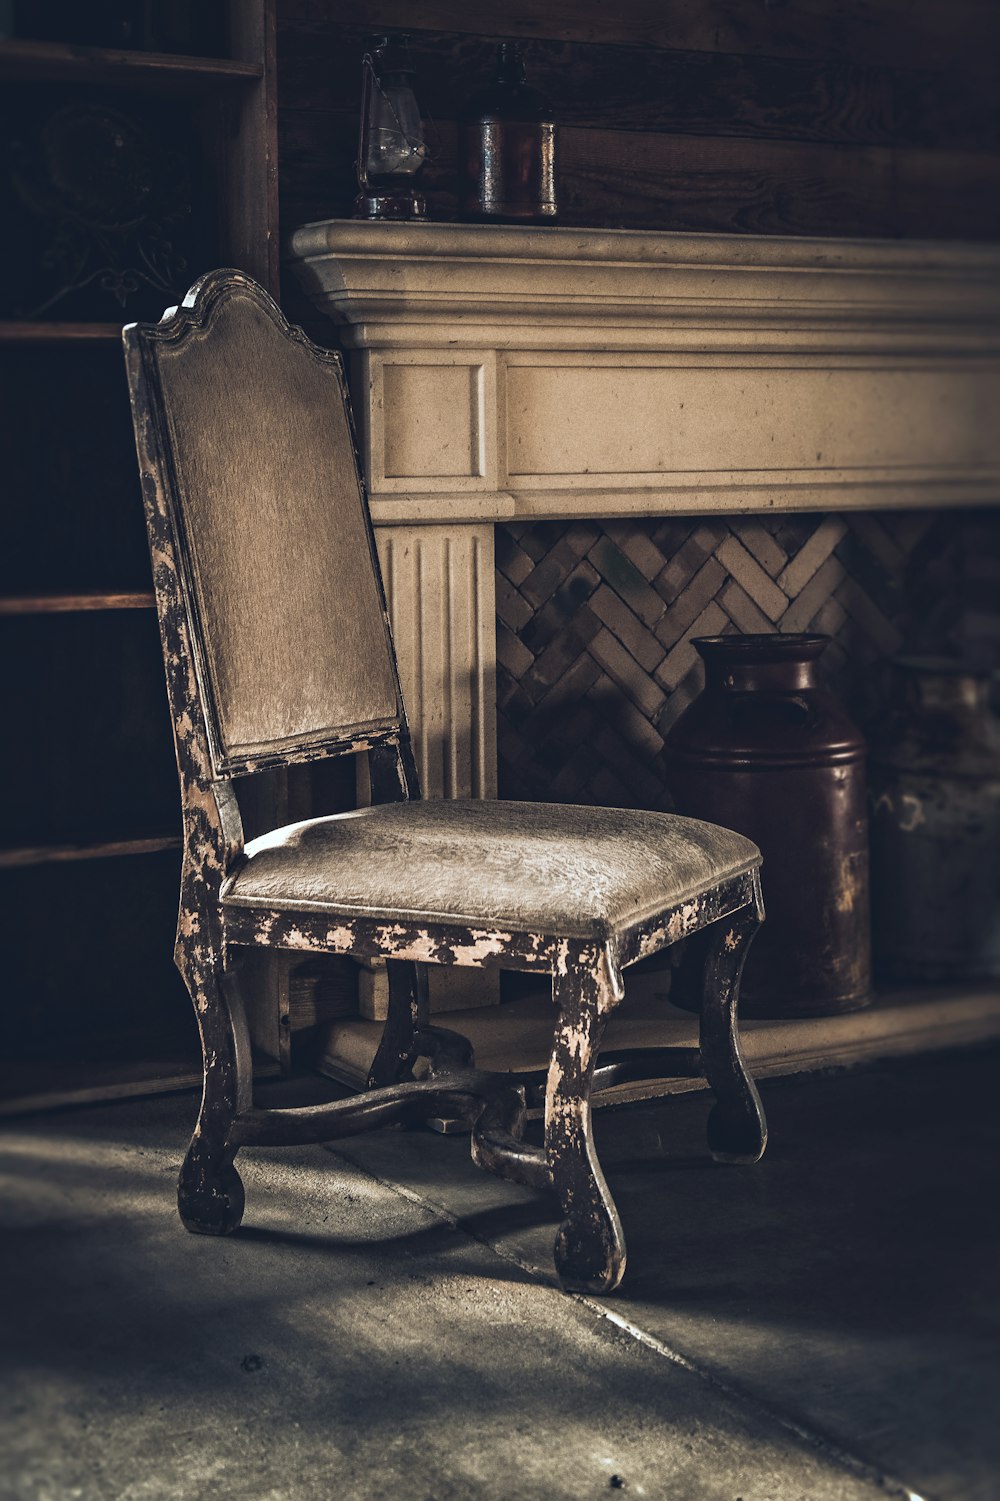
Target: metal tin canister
(935, 816)
(766, 749)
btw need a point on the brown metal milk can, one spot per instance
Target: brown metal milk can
(935, 812)
(767, 750)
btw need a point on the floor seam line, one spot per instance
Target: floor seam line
(827, 1447)
(816, 1440)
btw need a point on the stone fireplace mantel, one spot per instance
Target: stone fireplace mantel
(504, 373)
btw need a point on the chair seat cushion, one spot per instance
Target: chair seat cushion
(565, 872)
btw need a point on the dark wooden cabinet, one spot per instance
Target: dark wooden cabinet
(127, 172)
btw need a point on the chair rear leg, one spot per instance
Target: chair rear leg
(590, 1245)
(407, 1013)
(209, 1190)
(737, 1129)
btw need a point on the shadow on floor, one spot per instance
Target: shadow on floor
(849, 1280)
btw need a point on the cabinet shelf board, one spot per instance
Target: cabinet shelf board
(61, 604)
(13, 331)
(49, 854)
(66, 62)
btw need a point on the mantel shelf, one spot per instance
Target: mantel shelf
(502, 372)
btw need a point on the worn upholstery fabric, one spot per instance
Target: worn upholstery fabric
(566, 872)
(296, 641)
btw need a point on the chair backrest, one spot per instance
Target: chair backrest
(262, 547)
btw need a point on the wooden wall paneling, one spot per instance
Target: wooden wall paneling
(648, 180)
(667, 124)
(897, 33)
(652, 89)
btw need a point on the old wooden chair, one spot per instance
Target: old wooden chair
(277, 649)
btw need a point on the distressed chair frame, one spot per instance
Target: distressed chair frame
(587, 979)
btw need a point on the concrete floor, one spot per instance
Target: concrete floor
(825, 1325)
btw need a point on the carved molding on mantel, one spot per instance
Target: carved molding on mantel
(503, 372)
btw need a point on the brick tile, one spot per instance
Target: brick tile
(800, 612)
(690, 602)
(626, 580)
(511, 558)
(560, 608)
(812, 555)
(645, 780)
(637, 546)
(511, 652)
(910, 528)
(752, 577)
(633, 635)
(861, 608)
(512, 607)
(517, 750)
(792, 532)
(757, 540)
(829, 618)
(572, 686)
(511, 697)
(868, 571)
(573, 781)
(678, 663)
(742, 611)
(539, 537)
(874, 536)
(689, 558)
(610, 791)
(549, 573)
(683, 695)
(669, 533)
(557, 736)
(633, 725)
(620, 665)
(561, 652)
(581, 536)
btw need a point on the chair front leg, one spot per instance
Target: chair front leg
(590, 1245)
(209, 1189)
(737, 1129)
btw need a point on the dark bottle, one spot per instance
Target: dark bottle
(767, 750)
(508, 148)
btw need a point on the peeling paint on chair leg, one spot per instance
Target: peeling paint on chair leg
(590, 1246)
(209, 1189)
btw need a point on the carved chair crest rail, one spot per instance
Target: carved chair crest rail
(277, 649)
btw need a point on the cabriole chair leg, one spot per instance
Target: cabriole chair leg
(737, 1129)
(209, 1189)
(407, 1015)
(590, 1245)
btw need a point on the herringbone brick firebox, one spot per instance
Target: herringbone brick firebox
(595, 620)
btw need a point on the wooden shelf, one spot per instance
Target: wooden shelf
(13, 332)
(65, 604)
(48, 854)
(168, 72)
